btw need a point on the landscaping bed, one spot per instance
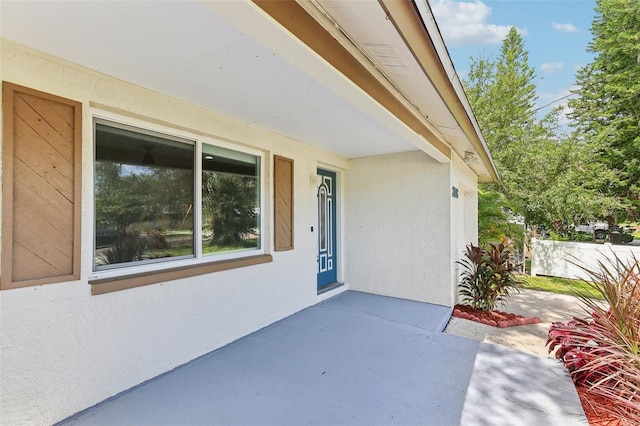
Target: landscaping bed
(598, 416)
(600, 350)
(492, 318)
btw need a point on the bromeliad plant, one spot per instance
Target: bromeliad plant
(602, 351)
(488, 276)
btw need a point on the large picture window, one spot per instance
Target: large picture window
(146, 207)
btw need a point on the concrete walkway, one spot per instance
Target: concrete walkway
(355, 359)
(548, 307)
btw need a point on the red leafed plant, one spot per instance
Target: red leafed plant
(602, 352)
(488, 275)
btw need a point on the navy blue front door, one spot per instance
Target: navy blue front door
(327, 244)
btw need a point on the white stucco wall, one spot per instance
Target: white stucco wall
(63, 350)
(464, 215)
(567, 259)
(398, 225)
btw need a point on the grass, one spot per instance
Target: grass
(561, 286)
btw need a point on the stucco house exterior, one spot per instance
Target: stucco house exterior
(177, 175)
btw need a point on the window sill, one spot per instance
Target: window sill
(108, 285)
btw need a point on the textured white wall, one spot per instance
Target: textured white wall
(63, 350)
(464, 216)
(566, 259)
(398, 225)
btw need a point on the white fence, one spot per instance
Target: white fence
(565, 259)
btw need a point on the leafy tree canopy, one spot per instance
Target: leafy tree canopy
(550, 176)
(526, 152)
(607, 109)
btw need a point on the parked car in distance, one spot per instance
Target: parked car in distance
(619, 234)
(598, 229)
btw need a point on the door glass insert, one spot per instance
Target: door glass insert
(327, 268)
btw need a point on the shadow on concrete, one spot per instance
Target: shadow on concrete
(514, 388)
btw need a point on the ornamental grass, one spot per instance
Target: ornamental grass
(602, 351)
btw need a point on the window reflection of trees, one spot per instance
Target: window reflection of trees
(230, 212)
(142, 212)
(144, 197)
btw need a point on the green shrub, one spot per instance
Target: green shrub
(578, 236)
(127, 247)
(488, 276)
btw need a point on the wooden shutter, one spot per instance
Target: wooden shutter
(41, 160)
(283, 205)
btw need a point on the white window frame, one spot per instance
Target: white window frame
(198, 140)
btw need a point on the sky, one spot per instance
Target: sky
(555, 34)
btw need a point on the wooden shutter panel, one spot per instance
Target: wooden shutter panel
(283, 205)
(41, 176)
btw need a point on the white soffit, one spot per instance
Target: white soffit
(187, 51)
(367, 25)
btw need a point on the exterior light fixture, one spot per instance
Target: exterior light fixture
(470, 158)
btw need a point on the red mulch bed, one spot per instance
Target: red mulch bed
(598, 417)
(492, 318)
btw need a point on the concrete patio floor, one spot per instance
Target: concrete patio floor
(355, 359)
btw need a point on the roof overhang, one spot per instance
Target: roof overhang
(354, 78)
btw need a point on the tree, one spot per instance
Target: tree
(575, 193)
(502, 94)
(548, 176)
(122, 199)
(494, 224)
(231, 203)
(607, 110)
(133, 195)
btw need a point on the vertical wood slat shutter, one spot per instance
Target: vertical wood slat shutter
(283, 203)
(41, 179)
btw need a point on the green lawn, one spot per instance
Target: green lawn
(561, 286)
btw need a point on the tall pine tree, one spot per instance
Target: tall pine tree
(502, 94)
(607, 111)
